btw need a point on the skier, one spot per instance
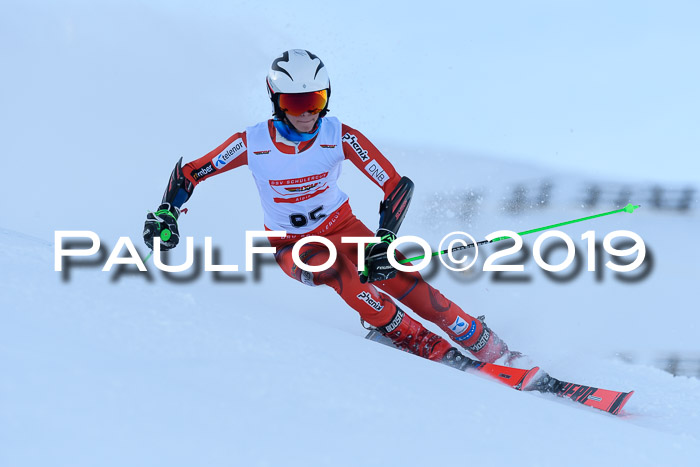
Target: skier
(295, 159)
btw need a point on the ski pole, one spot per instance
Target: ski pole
(629, 209)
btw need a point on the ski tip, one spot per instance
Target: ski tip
(620, 403)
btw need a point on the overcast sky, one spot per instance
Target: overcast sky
(605, 87)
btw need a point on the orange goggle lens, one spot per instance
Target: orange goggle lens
(297, 104)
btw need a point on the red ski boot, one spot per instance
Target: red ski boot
(486, 346)
(410, 335)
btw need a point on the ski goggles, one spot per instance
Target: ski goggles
(297, 104)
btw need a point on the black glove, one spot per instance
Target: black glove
(163, 224)
(377, 266)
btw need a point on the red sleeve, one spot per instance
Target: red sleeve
(230, 154)
(361, 152)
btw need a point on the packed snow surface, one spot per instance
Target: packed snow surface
(130, 369)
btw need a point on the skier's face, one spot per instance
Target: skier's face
(303, 123)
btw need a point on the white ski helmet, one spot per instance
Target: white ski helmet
(296, 71)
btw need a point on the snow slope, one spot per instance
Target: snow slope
(101, 370)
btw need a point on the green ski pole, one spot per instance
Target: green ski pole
(629, 209)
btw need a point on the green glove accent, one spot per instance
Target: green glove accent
(164, 212)
(165, 234)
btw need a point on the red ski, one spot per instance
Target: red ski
(603, 399)
(535, 379)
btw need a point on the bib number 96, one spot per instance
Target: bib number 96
(299, 220)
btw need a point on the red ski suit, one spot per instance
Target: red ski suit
(370, 300)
